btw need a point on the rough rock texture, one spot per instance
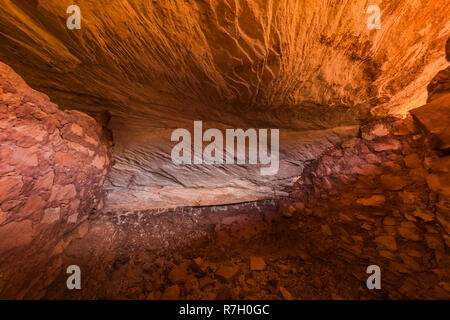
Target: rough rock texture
(366, 201)
(53, 165)
(158, 65)
(383, 200)
(361, 184)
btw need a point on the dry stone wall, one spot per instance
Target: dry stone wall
(382, 199)
(52, 165)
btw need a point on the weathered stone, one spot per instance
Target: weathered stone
(325, 229)
(83, 229)
(200, 265)
(392, 182)
(389, 221)
(386, 241)
(34, 204)
(375, 200)
(227, 273)
(45, 182)
(390, 144)
(179, 274)
(171, 293)
(10, 187)
(434, 118)
(62, 192)
(15, 234)
(257, 263)
(51, 215)
(425, 216)
(378, 130)
(286, 294)
(413, 161)
(409, 231)
(439, 183)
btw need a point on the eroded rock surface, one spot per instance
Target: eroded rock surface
(159, 65)
(53, 165)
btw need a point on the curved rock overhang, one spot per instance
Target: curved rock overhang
(313, 70)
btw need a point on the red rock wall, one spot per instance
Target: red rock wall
(52, 165)
(381, 199)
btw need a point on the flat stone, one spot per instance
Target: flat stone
(34, 204)
(394, 183)
(10, 187)
(179, 274)
(199, 264)
(390, 144)
(257, 263)
(389, 221)
(325, 229)
(413, 161)
(15, 234)
(425, 216)
(227, 273)
(375, 200)
(62, 192)
(83, 229)
(171, 293)
(408, 230)
(434, 118)
(378, 130)
(51, 215)
(286, 294)
(386, 241)
(439, 183)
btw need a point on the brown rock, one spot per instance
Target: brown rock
(326, 230)
(227, 273)
(15, 234)
(439, 183)
(66, 159)
(375, 200)
(171, 293)
(378, 130)
(257, 263)
(200, 265)
(62, 192)
(389, 221)
(286, 294)
(10, 187)
(425, 216)
(34, 204)
(179, 274)
(389, 144)
(51, 215)
(392, 182)
(387, 242)
(409, 231)
(45, 182)
(413, 161)
(205, 282)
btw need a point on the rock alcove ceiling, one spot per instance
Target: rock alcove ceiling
(339, 93)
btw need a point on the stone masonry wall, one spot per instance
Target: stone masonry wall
(52, 166)
(382, 199)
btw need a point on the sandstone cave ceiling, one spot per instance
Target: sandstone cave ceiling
(311, 68)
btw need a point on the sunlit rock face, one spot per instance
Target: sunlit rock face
(312, 69)
(53, 164)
